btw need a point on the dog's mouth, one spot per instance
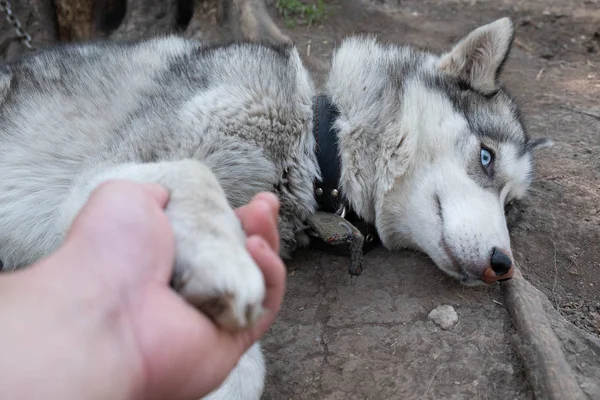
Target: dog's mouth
(467, 277)
(464, 276)
(498, 269)
(458, 268)
(468, 280)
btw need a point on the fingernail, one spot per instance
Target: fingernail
(270, 198)
(159, 192)
(266, 312)
(261, 244)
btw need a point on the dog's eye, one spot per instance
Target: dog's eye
(486, 157)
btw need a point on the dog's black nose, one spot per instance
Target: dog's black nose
(501, 262)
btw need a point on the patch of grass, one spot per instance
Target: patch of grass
(299, 12)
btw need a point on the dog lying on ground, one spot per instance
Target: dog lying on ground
(428, 148)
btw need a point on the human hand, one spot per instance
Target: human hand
(100, 310)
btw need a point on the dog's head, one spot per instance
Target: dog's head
(452, 151)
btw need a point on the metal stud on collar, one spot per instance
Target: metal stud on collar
(319, 192)
(334, 193)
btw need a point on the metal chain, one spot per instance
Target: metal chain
(16, 24)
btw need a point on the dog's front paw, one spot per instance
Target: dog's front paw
(221, 279)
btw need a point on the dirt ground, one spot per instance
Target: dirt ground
(369, 338)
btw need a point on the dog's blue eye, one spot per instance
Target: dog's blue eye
(486, 157)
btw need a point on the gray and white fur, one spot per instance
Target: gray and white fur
(216, 125)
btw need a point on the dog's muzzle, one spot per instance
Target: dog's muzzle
(501, 268)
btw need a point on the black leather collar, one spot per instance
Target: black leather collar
(328, 193)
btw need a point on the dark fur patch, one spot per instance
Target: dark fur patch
(474, 106)
(438, 205)
(281, 50)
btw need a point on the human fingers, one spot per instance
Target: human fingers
(259, 217)
(274, 273)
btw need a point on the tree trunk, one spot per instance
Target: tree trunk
(52, 21)
(75, 19)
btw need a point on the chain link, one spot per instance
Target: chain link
(16, 24)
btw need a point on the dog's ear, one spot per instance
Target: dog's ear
(539, 144)
(478, 58)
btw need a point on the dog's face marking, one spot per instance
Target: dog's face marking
(466, 169)
(464, 153)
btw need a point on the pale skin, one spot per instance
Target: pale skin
(98, 320)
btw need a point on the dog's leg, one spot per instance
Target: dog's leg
(246, 381)
(213, 269)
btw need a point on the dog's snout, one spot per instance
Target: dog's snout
(501, 267)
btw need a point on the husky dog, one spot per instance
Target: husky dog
(430, 147)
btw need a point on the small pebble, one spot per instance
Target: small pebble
(444, 316)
